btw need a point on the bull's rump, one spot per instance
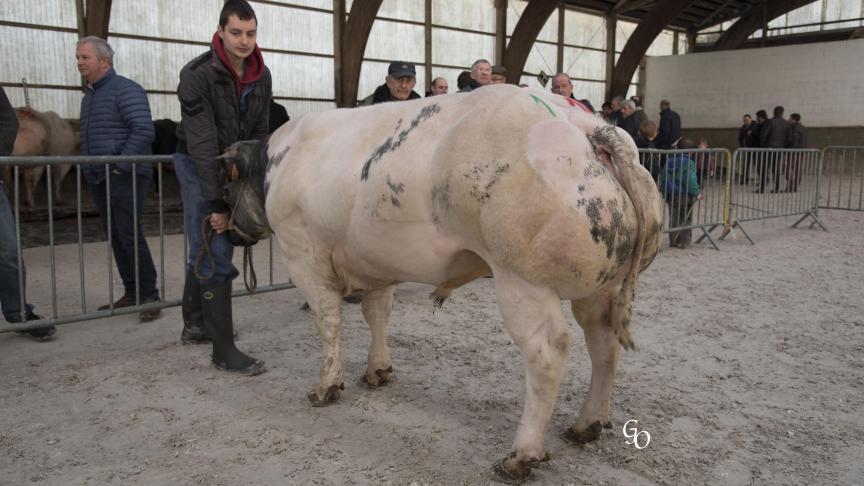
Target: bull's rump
(404, 191)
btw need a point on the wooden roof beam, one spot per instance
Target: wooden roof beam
(648, 29)
(753, 20)
(525, 33)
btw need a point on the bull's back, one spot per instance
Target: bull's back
(501, 173)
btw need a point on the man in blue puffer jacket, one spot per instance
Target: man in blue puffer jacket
(116, 120)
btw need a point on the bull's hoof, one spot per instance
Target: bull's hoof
(590, 434)
(332, 396)
(381, 378)
(513, 471)
(507, 475)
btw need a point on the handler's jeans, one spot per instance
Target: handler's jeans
(10, 290)
(194, 212)
(123, 231)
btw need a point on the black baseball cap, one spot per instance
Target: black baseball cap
(399, 69)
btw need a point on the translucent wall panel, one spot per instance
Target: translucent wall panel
(372, 75)
(778, 22)
(194, 20)
(403, 10)
(164, 106)
(301, 76)
(585, 63)
(296, 108)
(843, 9)
(292, 29)
(473, 15)
(326, 4)
(542, 57)
(57, 13)
(396, 41)
(581, 29)
(592, 91)
(623, 32)
(66, 103)
(280, 27)
(453, 48)
(682, 44)
(515, 9)
(532, 82)
(152, 64)
(662, 45)
(807, 14)
(41, 56)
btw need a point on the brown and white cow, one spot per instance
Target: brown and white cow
(444, 190)
(42, 133)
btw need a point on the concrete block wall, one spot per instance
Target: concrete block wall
(823, 82)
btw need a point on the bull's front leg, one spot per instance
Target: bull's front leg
(534, 319)
(328, 320)
(603, 348)
(376, 311)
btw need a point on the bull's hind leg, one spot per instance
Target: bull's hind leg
(594, 316)
(534, 319)
(376, 310)
(314, 277)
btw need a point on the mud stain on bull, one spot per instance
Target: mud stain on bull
(484, 177)
(394, 142)
(607, 234)
(440, 202)
(395, 189)
(272, 163)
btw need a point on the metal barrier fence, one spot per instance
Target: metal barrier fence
(775, 183)
(842, 178)
(681, 176)
(16, 167)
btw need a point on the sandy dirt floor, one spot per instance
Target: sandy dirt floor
(749, 370)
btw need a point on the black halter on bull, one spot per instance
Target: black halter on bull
(245, 164)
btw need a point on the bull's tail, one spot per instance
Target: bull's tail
(618, 155)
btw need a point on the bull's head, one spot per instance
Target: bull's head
(246, 166)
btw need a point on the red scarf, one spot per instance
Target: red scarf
(254, 64)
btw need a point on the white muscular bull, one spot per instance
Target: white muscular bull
(43, 133)
(444, 190)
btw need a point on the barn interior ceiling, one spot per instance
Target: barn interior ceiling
(698, 15)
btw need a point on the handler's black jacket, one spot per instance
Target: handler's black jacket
(212, 120)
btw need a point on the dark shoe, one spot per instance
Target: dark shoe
(38, 334)
(217, 317)
(151, 314)
(124, 301)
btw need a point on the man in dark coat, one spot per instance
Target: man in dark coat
(670, 127)
(398, 85)
(773, 134)
(225, 98)
(744, 131)
(629, 121)
(797, 140)
(116, 120)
